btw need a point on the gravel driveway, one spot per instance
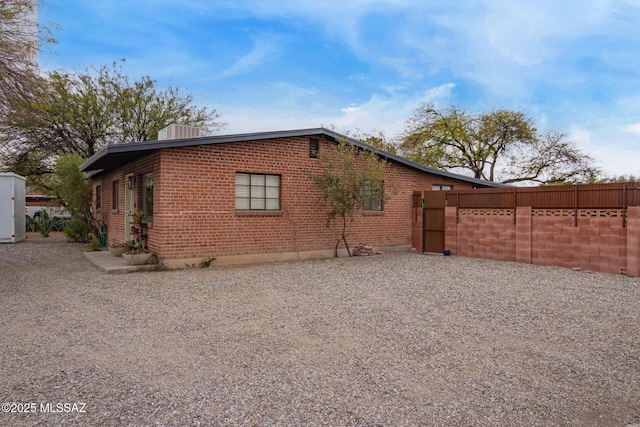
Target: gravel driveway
(395, 339)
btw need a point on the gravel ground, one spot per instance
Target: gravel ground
(395, 339)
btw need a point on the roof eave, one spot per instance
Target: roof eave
(189, 142)
(149, 146)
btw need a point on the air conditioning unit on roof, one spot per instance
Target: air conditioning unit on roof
(175, 131)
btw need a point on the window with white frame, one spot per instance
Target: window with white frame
(256, 191)
(437, 187)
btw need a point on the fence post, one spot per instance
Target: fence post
(515, 203)
(575, 212)
(523, 234)
(633, 241)
(624, 205)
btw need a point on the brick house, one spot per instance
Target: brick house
(247, 197)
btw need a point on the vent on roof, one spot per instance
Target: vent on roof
(175, 131)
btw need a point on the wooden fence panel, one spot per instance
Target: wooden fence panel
(585, 196)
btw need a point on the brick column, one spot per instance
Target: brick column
(450, 229)
(633, 241)
(523, 235)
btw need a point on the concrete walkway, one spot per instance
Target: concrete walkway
(115, 265)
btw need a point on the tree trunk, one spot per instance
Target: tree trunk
(344, 234)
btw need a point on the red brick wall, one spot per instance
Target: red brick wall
(115, 219)
(598, 241)
(194, 202)
(485, 234)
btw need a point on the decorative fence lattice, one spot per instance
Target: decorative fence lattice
(575, 201)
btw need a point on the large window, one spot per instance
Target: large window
(257, 192)
(372, 196)
(115, 195)
(146, 197)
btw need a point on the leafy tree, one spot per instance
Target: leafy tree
(75, 193)
(144, 110)
(376, 139)
(343, 180)
(621, 178)
(83, 112)
(550, 160)
(492, 145)
(19, 44)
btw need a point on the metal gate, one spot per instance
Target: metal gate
(433, 220)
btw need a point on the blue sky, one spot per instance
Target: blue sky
(573, 66)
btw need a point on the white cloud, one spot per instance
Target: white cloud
(245, 119)
(508, 47)
(264, 46)
(439, 93)
(407, 68)
(633, 128)
(615, 160)
(527, 32)
(386, 112)
(380, 113)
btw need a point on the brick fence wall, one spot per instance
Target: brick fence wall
(604, 240)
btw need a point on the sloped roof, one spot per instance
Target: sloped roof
(116, 155)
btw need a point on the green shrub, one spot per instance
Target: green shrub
(78, 231)
(31, 224)
(60, 223)
(94, 245)
(44, 223)
(206, 263)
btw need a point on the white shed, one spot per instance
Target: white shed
(13, 226)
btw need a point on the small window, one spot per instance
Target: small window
(257, 192)
(372, 196)
(441, 187)
(98, 197)
(146, 197)
(115, 195)
(314, 147)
